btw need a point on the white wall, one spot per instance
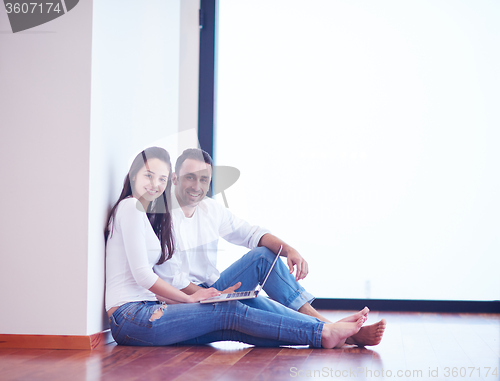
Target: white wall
(73, 160)
(44, 143)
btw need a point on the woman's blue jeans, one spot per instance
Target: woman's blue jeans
(196, 323)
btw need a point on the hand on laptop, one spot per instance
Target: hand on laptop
(231, 289)
(202, 294)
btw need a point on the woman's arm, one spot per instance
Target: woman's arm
(170, 295)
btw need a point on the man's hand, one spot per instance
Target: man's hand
(231, 289)
(295, 259)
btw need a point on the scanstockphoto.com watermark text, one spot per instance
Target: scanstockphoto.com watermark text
(367, 373)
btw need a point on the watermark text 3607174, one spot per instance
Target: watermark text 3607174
(31, 13)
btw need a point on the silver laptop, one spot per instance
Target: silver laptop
(243, 294)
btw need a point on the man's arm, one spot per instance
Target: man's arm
(273, 243)
(191, 289)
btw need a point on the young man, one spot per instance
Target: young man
(199, 222)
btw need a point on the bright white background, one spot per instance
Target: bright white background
(367, 136)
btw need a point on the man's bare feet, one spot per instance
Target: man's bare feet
(335, 334)
(356, 316)
(369, 335)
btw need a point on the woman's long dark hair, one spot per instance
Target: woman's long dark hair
(159, 211)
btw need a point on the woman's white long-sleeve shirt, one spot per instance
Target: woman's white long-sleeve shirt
(132, 250)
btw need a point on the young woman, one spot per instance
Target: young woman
(145, 310)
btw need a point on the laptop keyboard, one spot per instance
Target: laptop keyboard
(237, 294)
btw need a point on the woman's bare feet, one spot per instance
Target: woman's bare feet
(356, 316)
(369, 335)
(335, 334)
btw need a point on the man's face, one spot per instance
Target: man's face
(192, 182)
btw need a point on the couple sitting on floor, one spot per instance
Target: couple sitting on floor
(161, 256)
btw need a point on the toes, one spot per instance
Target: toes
(360, 321)
(364, 311)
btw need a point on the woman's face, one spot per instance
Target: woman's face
(150, 181)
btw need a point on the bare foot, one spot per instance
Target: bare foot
(356, 316)
(369, 335)
(335, 334)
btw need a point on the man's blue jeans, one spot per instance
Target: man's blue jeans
(281, 286)
(194, 323)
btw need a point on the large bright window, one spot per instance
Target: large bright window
(367, 134)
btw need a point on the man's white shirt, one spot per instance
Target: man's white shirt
(195, 257)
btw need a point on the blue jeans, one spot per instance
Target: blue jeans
(195, 323)
(281, 286)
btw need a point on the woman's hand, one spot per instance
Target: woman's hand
(203, 294)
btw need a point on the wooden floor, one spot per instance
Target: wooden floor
(416, 346)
